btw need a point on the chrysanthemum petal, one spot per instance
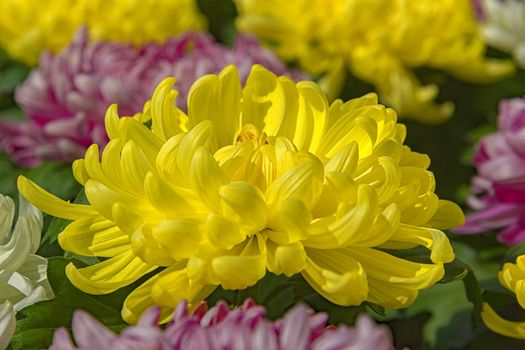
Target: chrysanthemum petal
(263, 97)
(435, 240)
(286, 259)
(107, 276)
(448, 215)
(207, 177)
(500, 325)
(49, 203)
(217, 98)
(386, 268)
(180, 237)
(242, 270)
(339, 278)
(94, 235)
(247, 202)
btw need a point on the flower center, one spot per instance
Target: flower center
(250, 133)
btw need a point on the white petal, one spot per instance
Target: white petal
(7, 213)
(7, 324)
(14, 252)
(35, 221)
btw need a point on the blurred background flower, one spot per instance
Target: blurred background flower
(29, 27)
(67, 96)
(503, 26)
(498, 189)
(512, 277)
(381, 42)
(223, 328)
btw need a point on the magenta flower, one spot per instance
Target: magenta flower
(67, 96)
(221, 328)
(498, 190)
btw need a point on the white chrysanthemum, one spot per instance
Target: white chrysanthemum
(7, 324)
(504, 27)
(23, 274)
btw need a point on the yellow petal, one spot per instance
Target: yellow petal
(337, 277)
(109, 275)
(135, 165)
(166, 198)
(384, 267)
(93, 235)
(131, 129)
(180, 237)
(79, 171)
(303, 182)
(49, 203)
(349, 228)
(206, 177)
(311, 117)
(288, 125)
(359, 125)
(286, 259)
(148, 249)
(344, 161)
(102, 198)
(197, 137)
(246, 202)
(224, 232)
(218, 99)
(264, 104)
(126, 219)
(167, 159)
(111, 121)
(140, 299)
(243, 270)
(290, 222)
(520, 292)
(448, 215)
(501, 326)
(173, 286)
(166, 118)
(435, 240)
(390, 295)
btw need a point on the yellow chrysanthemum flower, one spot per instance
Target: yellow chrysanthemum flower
(512, 277)
(268, 177)
(380, 42)
(28, 27)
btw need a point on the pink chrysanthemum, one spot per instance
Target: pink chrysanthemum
(67, 96)
(221, 328)
(498, 190)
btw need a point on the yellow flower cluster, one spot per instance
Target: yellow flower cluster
(380, 42)
(265, 177)
(28, 27)
(512, 277)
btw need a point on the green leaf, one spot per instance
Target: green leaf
(11, 77)
(57, 225)
(514, 252)
(408, 331)
(474, 295)
(12, 113)
(455, 271)
(54, 177)
(378, 309)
